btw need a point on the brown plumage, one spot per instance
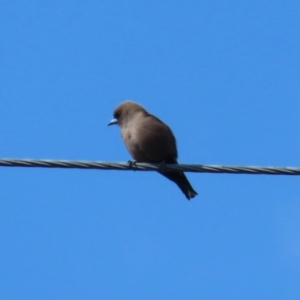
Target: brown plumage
(148, 139)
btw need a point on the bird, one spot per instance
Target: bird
(150, 140)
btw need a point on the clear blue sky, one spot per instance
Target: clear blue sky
(224, 75)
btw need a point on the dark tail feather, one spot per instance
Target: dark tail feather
(180, 179)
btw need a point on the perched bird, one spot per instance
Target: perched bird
(150, 140)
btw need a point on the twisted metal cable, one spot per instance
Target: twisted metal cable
(47, 163)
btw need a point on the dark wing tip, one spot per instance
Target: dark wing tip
(191, 194)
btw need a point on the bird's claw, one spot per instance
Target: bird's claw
(162, 166)
(132, 164)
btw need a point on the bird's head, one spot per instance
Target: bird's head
(124, 112)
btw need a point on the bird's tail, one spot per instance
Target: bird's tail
(180, 179)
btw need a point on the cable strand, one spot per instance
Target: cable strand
(196, 168)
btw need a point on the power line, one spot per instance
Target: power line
(47, 163)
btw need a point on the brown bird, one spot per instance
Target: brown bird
(150, 140)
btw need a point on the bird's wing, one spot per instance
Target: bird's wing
(156, 140)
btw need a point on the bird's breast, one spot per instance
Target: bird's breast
(132, 144)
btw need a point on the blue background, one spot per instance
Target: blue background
(224, 75)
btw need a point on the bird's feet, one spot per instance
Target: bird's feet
(162, 166)
(132, 164)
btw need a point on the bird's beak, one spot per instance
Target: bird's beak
(112, 122)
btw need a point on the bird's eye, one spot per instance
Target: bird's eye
(117, 115)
